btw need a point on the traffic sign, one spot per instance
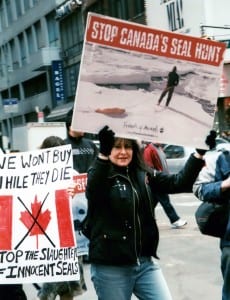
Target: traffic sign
(10, 105)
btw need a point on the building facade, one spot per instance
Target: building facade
(40, 53)
(72, 24)
(202, 18)
(41, 43)
(29, 42)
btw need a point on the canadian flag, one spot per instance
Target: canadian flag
(36, 220)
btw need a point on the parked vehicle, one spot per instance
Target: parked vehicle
(31, 135)
(177, 155)
(222, 144)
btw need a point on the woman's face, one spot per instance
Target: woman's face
(122, 152)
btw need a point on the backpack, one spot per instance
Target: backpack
(212, 219)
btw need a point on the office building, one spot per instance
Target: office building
(40, 52)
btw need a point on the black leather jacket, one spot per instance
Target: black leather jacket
(121, 207)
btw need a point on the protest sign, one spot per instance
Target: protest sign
(79, 209)
(37, 240)
(124, 70)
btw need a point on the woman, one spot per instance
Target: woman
(121, 225)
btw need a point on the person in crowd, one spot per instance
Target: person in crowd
(213, 185)
(12, 292)
(66, 290)
(121, 223)
(172, 82)
(84, 150)
(154, 157)
(84, 153)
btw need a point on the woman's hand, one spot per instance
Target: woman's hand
(210, 141)
(106, 138)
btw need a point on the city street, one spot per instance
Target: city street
(189, 260)
(109, 62)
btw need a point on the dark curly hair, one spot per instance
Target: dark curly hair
(52, 141)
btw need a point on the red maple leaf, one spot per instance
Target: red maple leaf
(42, 219)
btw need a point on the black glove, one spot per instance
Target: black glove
(210, 141)
(106, 139)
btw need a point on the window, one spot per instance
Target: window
(119, 9)
(2, 64)
(26, 5)
(5, 59)
(72, 74)
(12, 92)
(30, 40)
(3, 22)
(18, 8)
(22, 47)
(72, 34)
(38, 32)
(15, 92)
(135, 8)
(52, 29)
(36, 85)
(5, 94)
(9, 12)
(126, 9)
(14, 55)
(35, 2)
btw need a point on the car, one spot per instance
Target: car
(220, 140)
(222, 144)
(176, 156)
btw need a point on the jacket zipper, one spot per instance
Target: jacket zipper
(149, 199)
(136, 216)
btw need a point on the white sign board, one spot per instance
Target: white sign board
(124, 70)
(37, 239)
